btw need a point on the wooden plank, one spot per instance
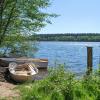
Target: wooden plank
(89, 59)
(40, 63)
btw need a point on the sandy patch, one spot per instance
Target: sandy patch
(7, 91)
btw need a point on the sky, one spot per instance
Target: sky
(76, 16)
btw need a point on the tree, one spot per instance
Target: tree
(22, 17)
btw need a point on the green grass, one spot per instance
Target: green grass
(61, 85)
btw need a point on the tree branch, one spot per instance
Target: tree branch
(7, 24)
(1, 12)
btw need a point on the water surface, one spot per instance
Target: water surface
(72, 54)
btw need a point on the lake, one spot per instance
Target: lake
(72, 54)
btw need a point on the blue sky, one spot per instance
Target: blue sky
(76, 16)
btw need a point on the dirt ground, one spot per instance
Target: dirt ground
(7, 91)
(7, 86)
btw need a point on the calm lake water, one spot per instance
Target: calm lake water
(72, 54)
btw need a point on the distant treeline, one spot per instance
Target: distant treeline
(67, 37)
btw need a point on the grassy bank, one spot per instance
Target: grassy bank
(61, 85)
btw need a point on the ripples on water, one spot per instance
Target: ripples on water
(73, 54)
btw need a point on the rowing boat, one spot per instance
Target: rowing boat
(22, 72)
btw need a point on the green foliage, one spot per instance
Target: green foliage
(17, 45)
(19, 19)
(61, 85)
(67, 37)
(25, 15)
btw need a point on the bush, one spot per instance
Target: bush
(62, 85)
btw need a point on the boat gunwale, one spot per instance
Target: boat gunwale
(26, 71)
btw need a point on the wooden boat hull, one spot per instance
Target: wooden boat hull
(21, 76)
